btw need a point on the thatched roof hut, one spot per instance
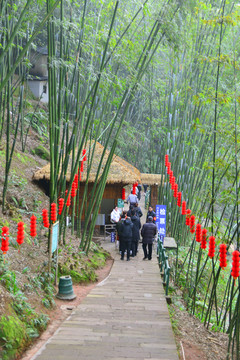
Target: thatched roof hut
(120, 172)
(154, 181)
(151, 179)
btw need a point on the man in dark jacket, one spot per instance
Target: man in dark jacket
(148, 232)
(126, 235)
(135, 232)
(118, 228)
(152, 214)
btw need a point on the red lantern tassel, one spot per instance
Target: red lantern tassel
(166, 160)
(188, 215)
(235, 264)
(5, 239)
(211, 249)
(223, 255)
(204, 239)
(33, 226)
(184, 205)
(20, 233)
(53, 212)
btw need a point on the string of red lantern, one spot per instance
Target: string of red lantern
(68, 203)
(192, 224)
(33, 226)
(198, 233)
(45, 218)
(20, 233)
(211, 248)
(73, 190)
(223, 255)
(123, 194)
(53, 212)
(179, 198)
(204, 239)
(235, 264)
(60, 205)
(5, 239)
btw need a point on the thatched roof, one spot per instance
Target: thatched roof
(151, 179)
(120, 171)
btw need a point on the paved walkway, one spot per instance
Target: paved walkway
(124, 317)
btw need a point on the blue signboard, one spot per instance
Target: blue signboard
(55, 236)
(113, 235)
(161, 212)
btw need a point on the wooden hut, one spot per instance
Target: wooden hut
(121, 173)
(154, 181)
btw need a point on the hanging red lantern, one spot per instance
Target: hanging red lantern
(68, 203)
(76, 181)
(175, 190)
(53, 212)
(123, 194)
(134, 189)
(33, 226)
(188, 215)
(235, 264)
(211, 249)
(168, 168)
(5, 239)
(82, 167)
(192, 224)
(166, 160)
(204, 239)
(184, 205)
(20, 233)
(179, 198)
(45, 218)
(73, 190)
(223, 255)
(84, 154)
(60, 205)
(198, 233)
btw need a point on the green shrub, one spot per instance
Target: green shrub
(42, 152)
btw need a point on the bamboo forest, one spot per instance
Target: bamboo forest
(100, 101)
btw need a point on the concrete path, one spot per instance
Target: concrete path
(124, 317)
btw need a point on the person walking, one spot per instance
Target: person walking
(118, 228)
(126, 235)
(151, 213)
(132, 199)
(148, 232)
(135, 232)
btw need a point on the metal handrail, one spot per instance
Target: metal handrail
(163, 264)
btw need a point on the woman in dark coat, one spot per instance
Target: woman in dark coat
(135, 232)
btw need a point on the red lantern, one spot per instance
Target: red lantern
(223, 255)
(179, 198)
(175, 190)
(188, 215)
(198, 233)
(166, 160)
(68, 199)
(76, 181)
(235, 264)
(60, 205)
(45, 218)
(84, 154)
(5, 239)
(81, 167)
(134, 189)
(20, 233)
(204, 239)
(211, 249)
(168, 168)
(73, 190)
(184, 205)
(123, 194)
(192, 224)
(33, 226)
(53, 212)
